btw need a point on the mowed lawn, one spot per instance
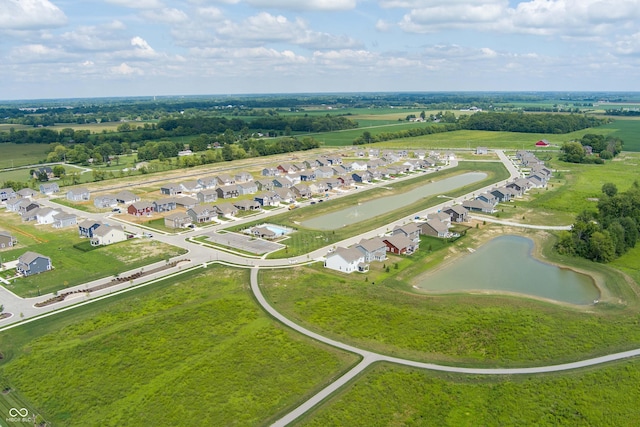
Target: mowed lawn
(73, 265)
(388, 395)
(628, 130)
(185, 352)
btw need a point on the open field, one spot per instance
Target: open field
(602, 396)
(15, 155)
(381, 312)
(73, 266)
(197, 351)
(628, 130)
(306, 240)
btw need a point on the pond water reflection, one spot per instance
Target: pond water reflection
(506, 264)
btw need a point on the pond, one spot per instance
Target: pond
(383, 205)
(506, 264)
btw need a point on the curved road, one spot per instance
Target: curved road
(201, 257)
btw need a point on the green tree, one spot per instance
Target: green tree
(609, 189)
(573, 152)
(59, 171)
(601, 247)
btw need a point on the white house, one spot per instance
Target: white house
(108, 234)
(346, 260)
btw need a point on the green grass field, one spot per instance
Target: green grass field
(196, 351)
(628, 130)
(73, 266)
(398, 396)
(16, 155)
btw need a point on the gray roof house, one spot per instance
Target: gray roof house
(248, 187)
(106, 201)
(126, 197)
(478, 206)
(171, 189)
(49, 188)
(7, 240)
(228, 191)
(207, 196)
(6, 194)
(202, 213)
(458, 213)
(411, 231)
(373, 249)
(78, 194)
(30, 263)
(26, 193)
(177, 220)
(64, 219)
(435, 227)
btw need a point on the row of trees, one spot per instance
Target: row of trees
(368, 138)
(528, 123)
(608, 233)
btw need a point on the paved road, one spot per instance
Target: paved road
(200, 256)
(519, 224)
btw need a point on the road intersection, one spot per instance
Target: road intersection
(199, 256)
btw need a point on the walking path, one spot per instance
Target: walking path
(200, 256)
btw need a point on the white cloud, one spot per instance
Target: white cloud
(317, 5)
(383, 26)
(38, 53)
(125, 70)
(165, 15)
(210, 13)
(138, 4)
(30, 14)
(94, 38)
(266, 28)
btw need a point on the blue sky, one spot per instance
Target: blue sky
(95, 48)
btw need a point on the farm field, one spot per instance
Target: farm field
(597, 397)
(71, 255)
(628, 130)
(16, 155)
(197, 351)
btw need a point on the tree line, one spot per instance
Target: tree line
(591, 148)
(607, 233)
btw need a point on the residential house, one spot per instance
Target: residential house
(375, 163)
(374, 152)
(86, 228)
(49, 188)
(28, 210)
(324, 172)
(268, 198)
(333, 160)
(185, 202)
(301, 190)
(482, 150)
(107, 235)
(282, 182)
(247, 205)
(264, 185)
(171, 189)
(167, 204)
(346, 260)
(26, 193)
(45, 215)
(340, 170)
(202, 213)
(488, 198)
(440, 216)
(190, 187)
(228, 191)
(410, 231)
(243, 177)
(13, 205)
(64, 219)
(309, 175)
(477, 205)
(207, 196)
(78, 194)
(318, 187)
(225, 179)
(177, 220)
(346, 181)
(285, 194)
(226, 209)
(44, 170)
(140, 209)
(458, 213)
(209, 182)
(400, 244)
(126, 197)
(503, 194)
(359, 165)
(7, 240)
(373, 249)
(538, 180)
(332, 183)
(106, 201)
(270, 172)
(435, 227)
(248, 187)
(7, 194)
(30, 263)
(286, 168)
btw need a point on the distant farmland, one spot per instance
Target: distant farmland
(15, 155)
(628, 130)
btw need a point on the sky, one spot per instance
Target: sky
(102, 48)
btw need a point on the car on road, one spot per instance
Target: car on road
(313, 203)
(147, 234)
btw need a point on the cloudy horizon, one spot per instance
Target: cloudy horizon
(101, 48)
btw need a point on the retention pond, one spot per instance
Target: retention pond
(376, 207)
(506, 264)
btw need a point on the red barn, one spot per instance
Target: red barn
(542, 143)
